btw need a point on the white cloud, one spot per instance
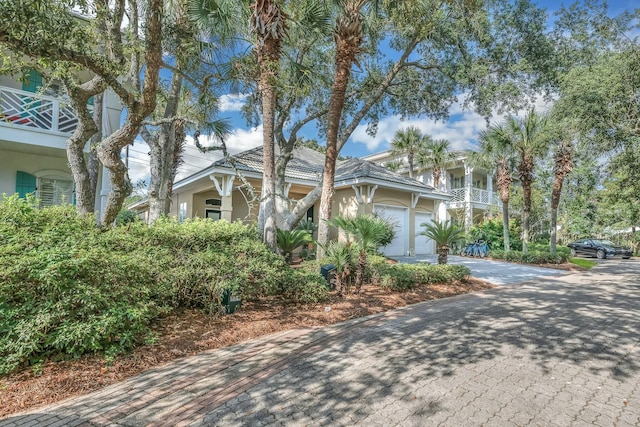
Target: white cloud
(461, 129)
(244, 139)
(232, 102)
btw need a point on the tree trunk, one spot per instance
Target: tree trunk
(162, 158)
(504, 186)
(345, 55)
(268, 70)
(443, 252)
(362, 263)
(137, 110)
(526, 168)
(94, 163)
(85, 192)
(505, 225)
(563, 166)
(410, 161)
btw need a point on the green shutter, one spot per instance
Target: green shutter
(25, 184)
(32, 80)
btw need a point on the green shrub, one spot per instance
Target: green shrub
(533, 256)
(491, 231)
(306, 287)
(68, 287)
(401, 277)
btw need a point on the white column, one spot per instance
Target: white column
(468, 178)
(490, 187)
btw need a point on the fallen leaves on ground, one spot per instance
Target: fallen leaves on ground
(190, 332)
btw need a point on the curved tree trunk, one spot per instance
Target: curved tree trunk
(85, 189)
(94, 163)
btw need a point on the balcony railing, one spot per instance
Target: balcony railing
(478, 195)
(30, 110)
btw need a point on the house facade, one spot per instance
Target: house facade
(229, 189)
(35, 122)
(471, 189)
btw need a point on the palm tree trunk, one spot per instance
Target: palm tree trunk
(563, 166)
(362, 262)
(505, 225)
(345, 55)
(410, 161)
(526, 215)
(443, 252)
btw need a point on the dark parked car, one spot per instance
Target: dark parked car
(598, 248)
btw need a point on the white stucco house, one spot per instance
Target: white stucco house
(34, 127)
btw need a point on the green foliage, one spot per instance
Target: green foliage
(306, 287)
(401, 277)
(290, 240)
(444, 234)
(68, 287)
(491, 231)
(126, 216)
(531, 257)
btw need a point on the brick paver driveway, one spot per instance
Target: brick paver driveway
(557, 351)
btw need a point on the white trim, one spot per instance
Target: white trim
(358, 194)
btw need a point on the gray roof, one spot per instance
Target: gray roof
(359, 168)
(307, 164)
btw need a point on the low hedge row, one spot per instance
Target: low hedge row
(68, 288)
(531, 257)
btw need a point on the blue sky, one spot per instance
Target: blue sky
(460, 129)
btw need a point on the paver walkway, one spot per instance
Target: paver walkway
(556, 351)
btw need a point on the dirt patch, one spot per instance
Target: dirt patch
(190, 332)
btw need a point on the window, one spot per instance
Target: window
(310, 213)
(213, 214)
(213, 202)
(182, 211)
(52, 191)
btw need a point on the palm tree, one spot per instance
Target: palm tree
(435, 156)
(444, 234)
(563, 165)
(408, 141)
(496, 154)
(528, 139)
(269, 24)
(348, 36)
(290, 240)
(340, 256)
(368, 231)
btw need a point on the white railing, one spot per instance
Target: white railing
(478, 195)
(30, 110)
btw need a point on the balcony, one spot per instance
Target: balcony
(29, 111)
(478, 196)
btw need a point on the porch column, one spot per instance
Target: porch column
(490, 187)
(468, 182)
(224, 185)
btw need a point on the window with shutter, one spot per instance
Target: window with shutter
(25, 184)
(53, 192)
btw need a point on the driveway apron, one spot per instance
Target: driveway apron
(496, 272)
(556, 351)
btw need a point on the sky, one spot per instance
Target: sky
(460, 129)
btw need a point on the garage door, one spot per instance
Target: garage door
(424, 246)
(400, 218)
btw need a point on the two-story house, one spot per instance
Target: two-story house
(471, 188)
(34, 126)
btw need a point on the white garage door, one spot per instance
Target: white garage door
(424, 246)
(400, 218)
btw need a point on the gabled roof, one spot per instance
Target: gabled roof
(307, 165)
(361, 169)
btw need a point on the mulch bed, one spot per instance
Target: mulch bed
(189, 332)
